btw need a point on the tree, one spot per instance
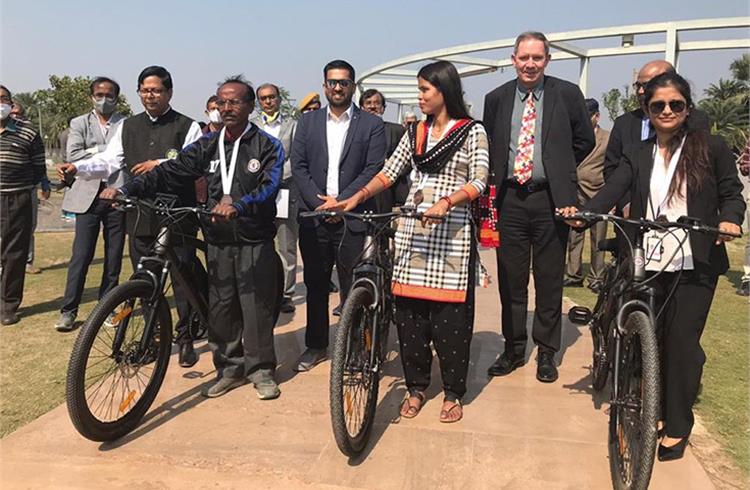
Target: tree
(616, 103)
(727, 105)
(740, 68)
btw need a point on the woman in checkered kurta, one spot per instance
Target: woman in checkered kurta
(435, 261)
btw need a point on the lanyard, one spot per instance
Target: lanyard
(227, 175)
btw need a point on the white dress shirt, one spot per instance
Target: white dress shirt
(274, 129)
(662, 246)
(103, 164)
(336, 129)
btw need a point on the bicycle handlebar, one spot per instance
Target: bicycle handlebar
(403, 213)
(683, 222)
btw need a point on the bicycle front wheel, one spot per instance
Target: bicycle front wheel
(634, 412)
(111, 381)
(354, 380)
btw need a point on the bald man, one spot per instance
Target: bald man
(634, 126)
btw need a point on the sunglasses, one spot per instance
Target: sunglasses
(657, 107)
(345, 83)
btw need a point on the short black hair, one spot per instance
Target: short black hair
(592, 106)
(7, 90)
(240, 79)
(99, 80)
(156, 71)
(369, 93)
(213, 98)
(339, 65)
(267, 85)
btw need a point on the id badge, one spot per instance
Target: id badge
(654, 248)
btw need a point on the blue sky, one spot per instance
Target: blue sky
(288, 42)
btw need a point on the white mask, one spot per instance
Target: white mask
(5, 111)
(214, 116)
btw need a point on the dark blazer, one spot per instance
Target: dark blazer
(393, 134)
(361, 158)
(567, 135)
(719, 200)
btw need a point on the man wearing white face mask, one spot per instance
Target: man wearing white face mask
(21, 168)
(89, 135)
(213, 115)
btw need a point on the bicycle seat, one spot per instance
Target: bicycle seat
(608, 245)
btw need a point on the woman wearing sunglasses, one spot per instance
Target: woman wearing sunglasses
(435, 259)
(683, 171)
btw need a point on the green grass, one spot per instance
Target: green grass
(724, 403)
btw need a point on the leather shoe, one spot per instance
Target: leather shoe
(670, 453)
(337, 311)
(572, 283)
(546, 372)
(10, 318)
(310, 358)
(187, 355)
(505, 364)
(287, 306)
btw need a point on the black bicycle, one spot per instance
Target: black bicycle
(121, 355)
(623, 326)
(361, 341)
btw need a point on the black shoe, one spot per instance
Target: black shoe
(673, 452)
(505, 364)
(332, 288)
(310, 358)
(572, 283)
(546, 372)
(287, 306)
(10, 318)
(187, 356)
(337, 311)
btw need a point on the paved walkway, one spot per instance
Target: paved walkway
(517, 432)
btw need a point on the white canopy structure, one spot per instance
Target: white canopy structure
(396, 79)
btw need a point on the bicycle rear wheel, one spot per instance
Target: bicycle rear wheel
(110, 383)
(634, 413)
(354, 381)
(600, 326)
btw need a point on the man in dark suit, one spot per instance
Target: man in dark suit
(634, 126)
(336, 151)
(373, 101)
(539, 131)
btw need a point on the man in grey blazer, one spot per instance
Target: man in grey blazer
(271, 121)
(89, 134)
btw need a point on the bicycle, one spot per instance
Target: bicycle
(361, 340)
(121, 354)
(624, 323)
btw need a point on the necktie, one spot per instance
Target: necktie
(524, 162)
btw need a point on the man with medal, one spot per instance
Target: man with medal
(243, 166)
(140, 143)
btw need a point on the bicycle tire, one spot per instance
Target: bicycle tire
(350, 357)
(87, 423)
(632, 461)
(600, 333)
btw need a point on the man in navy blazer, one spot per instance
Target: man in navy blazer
(336, 151)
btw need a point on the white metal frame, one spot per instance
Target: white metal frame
(396, 79)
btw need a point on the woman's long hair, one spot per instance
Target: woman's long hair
(693, 166)
(444, 77)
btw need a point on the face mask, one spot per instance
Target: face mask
(105, 106)
(214, 117)
(5, 111)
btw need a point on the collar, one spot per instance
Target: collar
(346, 116)
(109, 119)
(230, 137)
(156, 118)
(271, 120)
(537, 90)
(10, 125)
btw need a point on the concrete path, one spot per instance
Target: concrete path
(516, 433)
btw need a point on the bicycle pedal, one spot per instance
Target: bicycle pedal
(579, 315)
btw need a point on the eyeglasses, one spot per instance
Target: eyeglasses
(345, 83)
(229, 103)
(657, 107)
(269, 98)
(6, 99)
(156, 92)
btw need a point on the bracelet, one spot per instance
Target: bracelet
(448, 200)
(366, 193)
